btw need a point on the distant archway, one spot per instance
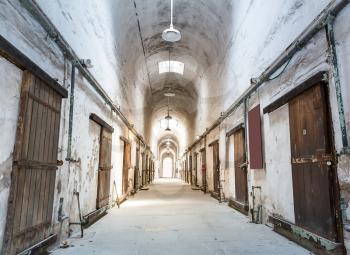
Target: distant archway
(167, 167)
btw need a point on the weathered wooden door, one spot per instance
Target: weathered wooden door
(143, 163)
(126, 166)
(136, 172)
(104, 169)
(241, 182)
(147, 169)
(216, 168)
(312, 156)
(186, 170)
(34, 166)
(190, 169)
(204, 169)
(195, 169)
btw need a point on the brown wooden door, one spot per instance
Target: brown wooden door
(34, 166)
(311, 149)
(204, 170)
(195, 169)
(241, 182)
(216, 168)
(126, 166)
(147, 169)
(186, 170)
(104, 169)
(190, 169)
(136, 172)
(143, 169)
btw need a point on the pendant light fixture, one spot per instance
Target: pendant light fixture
(168, 117)
(171, 34)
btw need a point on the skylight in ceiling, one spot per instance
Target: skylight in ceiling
(171, 66)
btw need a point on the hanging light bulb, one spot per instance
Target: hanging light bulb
(171, 34)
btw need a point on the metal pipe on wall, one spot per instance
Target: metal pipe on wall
(245, 120)
(334, 58)
(71, 108)
(33, 8)
(331, 10)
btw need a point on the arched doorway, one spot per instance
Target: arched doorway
(167, 167)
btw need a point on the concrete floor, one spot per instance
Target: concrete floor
(171, 218)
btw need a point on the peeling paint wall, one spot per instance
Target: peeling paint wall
(342, 36)
(219, 65)
(85, 30)
(275, 179)
(260, 32)
(9, 98)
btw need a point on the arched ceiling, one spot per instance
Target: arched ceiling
(205, 29)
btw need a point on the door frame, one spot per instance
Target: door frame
(126, 166)
(235, 204)
(136, 171)
(22, 62)
(21, 163)
(204, 186)
(321, 78)
(216, 167)
(104, 127)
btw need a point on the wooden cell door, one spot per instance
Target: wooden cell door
(143, 169)
(190, 169)
(147, 169)
(312, 158)
(186, 170)
(136, 172)
(126, 167)
(195, 169)
(104, 169)
(31, 198)
(216, 167)
(241, 182)
(204, 169)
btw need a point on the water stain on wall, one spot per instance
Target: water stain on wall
(5, 173)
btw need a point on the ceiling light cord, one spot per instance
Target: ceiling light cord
(171, 34)
(171, 15)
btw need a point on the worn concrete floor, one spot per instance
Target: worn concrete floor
(171, 218)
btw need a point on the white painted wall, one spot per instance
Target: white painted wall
(27, 35)
(278, 196)
(342, 34)
(247, 61)
(10, 85)
(260, 32)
